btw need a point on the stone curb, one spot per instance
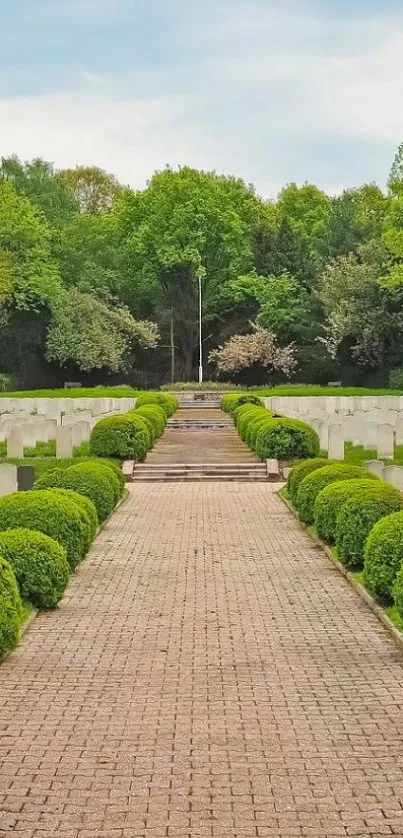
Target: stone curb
(396, 635)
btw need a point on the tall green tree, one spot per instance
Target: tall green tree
(93, 188)
(38, 181)
(187, 225)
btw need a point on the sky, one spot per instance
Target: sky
(272, 91)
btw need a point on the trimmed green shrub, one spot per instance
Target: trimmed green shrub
(156, 415)
(47, 511)
(287, 439)
(359, 514)
(383, 555)
(10, 608)
(105, 488)
(235, 401)
(119, 437)
(81, 504)
(313, 483)
(398, 593)
(301, 470)
(39, 563)
(167, 401)
(142, 428)
(329, 502)
(58, 480)
(115, 469)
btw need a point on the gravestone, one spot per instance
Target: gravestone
(81, 432)
(336, 442)
(64, 443)
(394, 475)
(15, 443)
(8, 479)
(371, 435)
(399, 433)
(386, 442)
(25, 478)
(375, 467)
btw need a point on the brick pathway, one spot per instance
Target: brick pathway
(209, 674)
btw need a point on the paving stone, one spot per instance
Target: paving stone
(209, 673)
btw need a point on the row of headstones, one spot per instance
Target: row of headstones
(334, 404)
(66, 437)
(15, 478)
(332, 438)
(51, 407)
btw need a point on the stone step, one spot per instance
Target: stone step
(189, 478)
(237, 466)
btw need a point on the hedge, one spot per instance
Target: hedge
(359, 514)
(167, 401)
(313, 483)
(115, 469)
(50, 512)
(142, 428)
(287, 439)
(231, 401)
(57, 480)
(39, 563)
(383, 555)
(301, 470)
(118, 437)
(329, 502)
(156, 415)
(398, 593)
(81, 504)
(10, 608)
(91, 480)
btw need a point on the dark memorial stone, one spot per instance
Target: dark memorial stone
(25, 478)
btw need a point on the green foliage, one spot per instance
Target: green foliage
(119, 437)
(10, 609)
(49, 512)
(301, 470)
(313, 483)
(101, 496)
(329, 502)
(6, 382)
(99, 483)
(287, 439)
(91, 334)
(26, 242)
(156, 415)
(167, 401)
(358, 515)
(229, 403)
(398, 593)
(39, 563)
(396, 379)
(384, 555)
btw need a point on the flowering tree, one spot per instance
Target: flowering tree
(259, 348)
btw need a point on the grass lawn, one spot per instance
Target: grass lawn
(75, 393)
(280, 390)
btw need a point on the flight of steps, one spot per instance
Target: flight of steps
(180, 423)
(200, 405)
(180, 472)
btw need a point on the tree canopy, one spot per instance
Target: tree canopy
(100, 280)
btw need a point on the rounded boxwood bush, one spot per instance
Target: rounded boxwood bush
(301, 470)
(167, 401)
(383, 555)
(228, 400)
(359, 514)
(81, 503)
(47, 511)
(329, 502)
(58, 480)
(10, 608)
(247, 419)
(99, 484)
(119, 437)
(244, 398)
(155, 414)
(142, 427)
(253, 427)
(287, 439)
(398, 593)
(313, 483)
(39, 563)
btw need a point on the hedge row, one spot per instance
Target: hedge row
(131, 435)
(361, 515)
(231, 401)
(271, 436)
(45, 533)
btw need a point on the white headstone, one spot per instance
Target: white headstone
(15, 443)
(399, 433)
(64, 443)
(375, 467)
(371, 435)
(336, 442)
(393, 475)
(8, 479)
(81, 432)
(386, 442)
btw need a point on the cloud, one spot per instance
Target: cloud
(256, 89)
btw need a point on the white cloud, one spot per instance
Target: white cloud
(250, 93)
